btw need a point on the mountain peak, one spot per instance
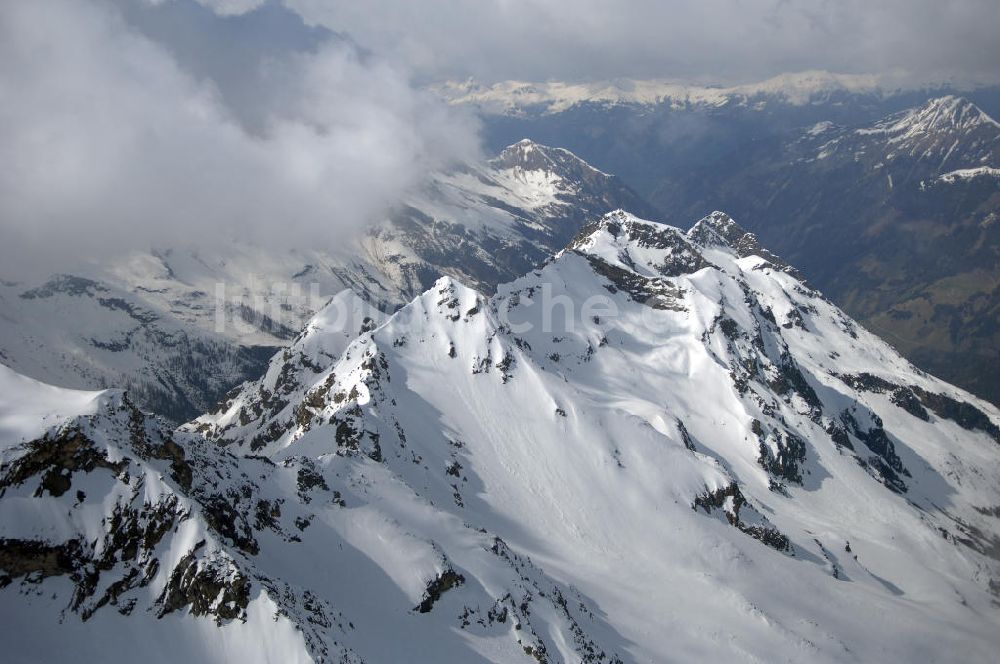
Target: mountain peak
(620, 241)
(622, 227)
(716, 228)
(719, 229)
(941, 114)
(951, 112)
(346, 315)
(528, 155)
(648, 248)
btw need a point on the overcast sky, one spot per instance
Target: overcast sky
(122, 129)
(125, 123)
(713, 40)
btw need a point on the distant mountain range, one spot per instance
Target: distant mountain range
(885, 197)
(661, 445)
(899, 222)
(808, 88)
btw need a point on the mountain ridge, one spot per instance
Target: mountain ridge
(895, 221)
(691, 453)
(182, 326)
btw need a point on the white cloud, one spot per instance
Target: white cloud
(107, 144)
(220, 7)
(714, 40)
(232, 7)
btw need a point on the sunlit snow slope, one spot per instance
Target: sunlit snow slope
(660, 446)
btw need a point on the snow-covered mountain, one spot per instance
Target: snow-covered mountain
(659, 446)
(552, 97)
(943, 129)
(179, 327)
(896, 220)
(888, 205)
(78, 331)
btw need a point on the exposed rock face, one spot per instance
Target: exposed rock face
(123, 452)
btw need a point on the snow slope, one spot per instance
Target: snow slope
(181, 326)
(659, 446)
(969, 173)
(95, 515)
(28, 408)
(714, 457)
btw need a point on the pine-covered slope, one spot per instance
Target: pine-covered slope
(180, 327)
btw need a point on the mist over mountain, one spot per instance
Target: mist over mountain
(115, 144)
(181, 326)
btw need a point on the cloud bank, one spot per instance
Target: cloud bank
(109, 142)
(724, 41)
